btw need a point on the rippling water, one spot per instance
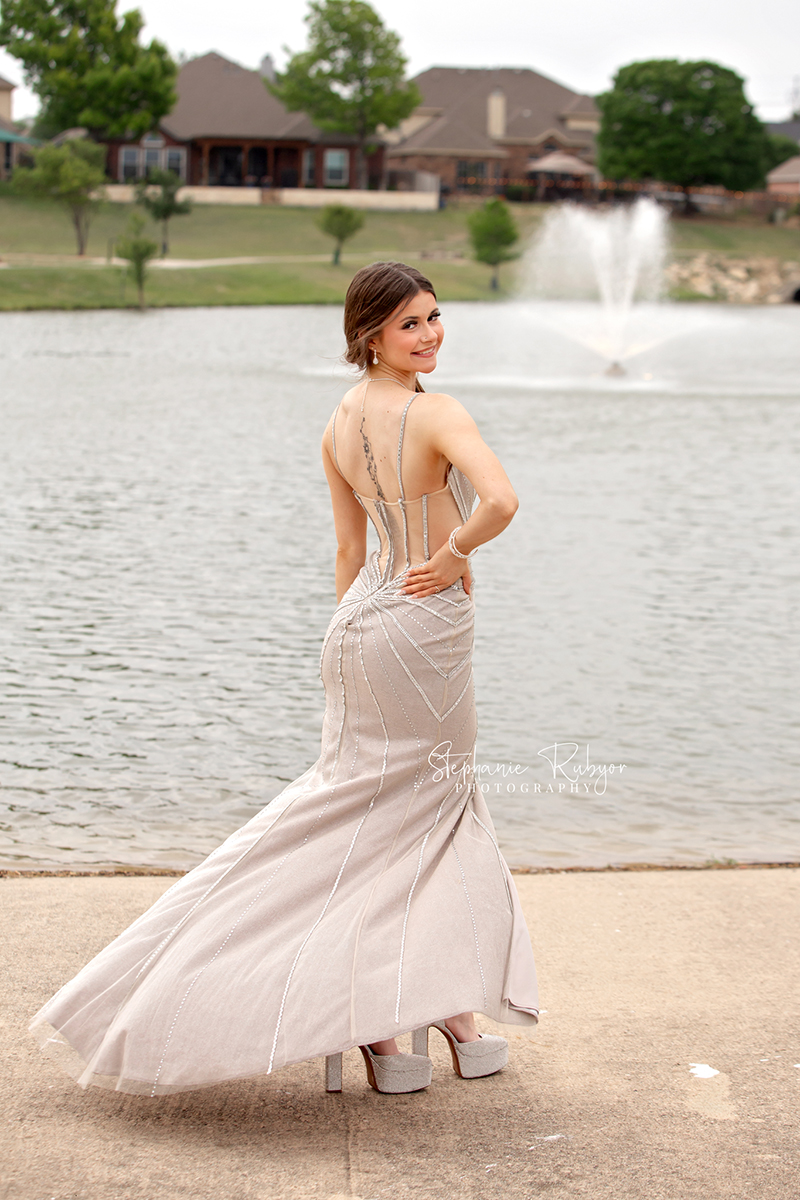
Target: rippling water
(167, 578)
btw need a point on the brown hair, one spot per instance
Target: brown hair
(373, 295)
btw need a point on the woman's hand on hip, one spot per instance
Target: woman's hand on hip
(440, 571)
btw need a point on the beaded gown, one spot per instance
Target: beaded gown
(368, 899)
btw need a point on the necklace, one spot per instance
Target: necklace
(379, 379)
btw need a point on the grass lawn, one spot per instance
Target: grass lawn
(295, 283)
(429, 241)
(734, 239)
(432, 241)
(220, 231)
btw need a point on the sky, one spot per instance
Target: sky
(580, 44)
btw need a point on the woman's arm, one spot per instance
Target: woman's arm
(449, 429)
(350, 522)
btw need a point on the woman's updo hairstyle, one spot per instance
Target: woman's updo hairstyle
(373, 295)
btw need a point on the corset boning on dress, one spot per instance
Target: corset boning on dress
(408, 528)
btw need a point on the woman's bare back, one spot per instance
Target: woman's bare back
(400, 479)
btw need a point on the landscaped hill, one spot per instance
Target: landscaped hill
(37, 243)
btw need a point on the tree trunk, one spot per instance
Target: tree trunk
(164, 238)
(80, 220)
(140, 272)
(337, 250)
(689, 207)
(495, 277)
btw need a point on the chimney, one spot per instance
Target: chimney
(266, 68)
(496, 114)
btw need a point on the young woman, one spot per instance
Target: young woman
(369, 898)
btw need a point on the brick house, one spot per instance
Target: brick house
(227, 130)
(479, 128)
(10, 140)
(784, 180)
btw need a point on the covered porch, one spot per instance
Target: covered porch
(11, 146)
(265, 163)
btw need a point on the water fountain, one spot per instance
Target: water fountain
(615, 256)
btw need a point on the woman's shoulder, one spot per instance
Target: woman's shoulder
(437, 406)
(426, 404)
(351, 399)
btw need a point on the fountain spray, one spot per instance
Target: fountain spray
(616, 256)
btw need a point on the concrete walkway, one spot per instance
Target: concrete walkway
(166, 264)
(18, 259)
(642, 974)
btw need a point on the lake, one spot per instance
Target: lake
(167, 578)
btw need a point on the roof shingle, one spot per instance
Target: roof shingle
(787, 172)
(218, 98)
(535, 106)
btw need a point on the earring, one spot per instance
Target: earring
(374, 357)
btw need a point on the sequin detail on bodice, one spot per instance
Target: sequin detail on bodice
(407, 529)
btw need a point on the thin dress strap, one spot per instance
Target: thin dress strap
(333, 436)
(400, 447)
(403, 513)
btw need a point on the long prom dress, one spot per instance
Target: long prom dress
(368, 899)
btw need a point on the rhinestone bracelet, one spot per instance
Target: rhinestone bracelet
(451, 541)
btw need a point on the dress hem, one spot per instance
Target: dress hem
(58, 1049)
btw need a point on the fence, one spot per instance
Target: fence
(587, 190)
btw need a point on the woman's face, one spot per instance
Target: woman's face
(411, 339)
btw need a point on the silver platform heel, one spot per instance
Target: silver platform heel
(333, 1073)
(392, 1073)
(474, 1060)
(397, 1074)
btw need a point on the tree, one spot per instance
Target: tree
(158, 194)
(339, 222)
(71, 174)
(138, 251)
(493, 230)
(87, 66)
(350, 79)
(685, 123)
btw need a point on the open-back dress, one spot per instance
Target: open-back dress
(368, 899)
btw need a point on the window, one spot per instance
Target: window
(154, 140)
(337, 168)
(471, 175)
(174, 160)
(136, 161)
(309, 167)
(129, 164)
